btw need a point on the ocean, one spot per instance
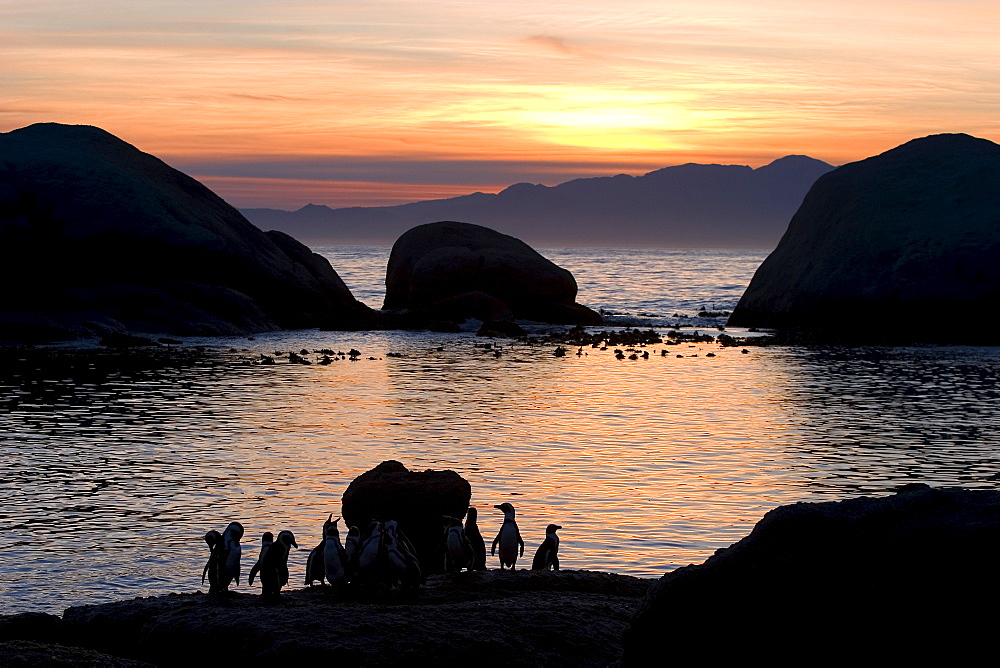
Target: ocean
(116, 464)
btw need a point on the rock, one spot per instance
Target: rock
(524, 618)
(30, 654)
(439, 261)
(415, 499)
(880, 246)
(101, 238)
(897, 577)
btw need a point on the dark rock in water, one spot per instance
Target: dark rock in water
(415, 499)
(500, 329)
(900, 577)
(439, 261)
(886, 243)
(99, 237)
(122, 340)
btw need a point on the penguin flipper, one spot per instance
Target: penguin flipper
(253, 572)
(555, 562)
(493, 549)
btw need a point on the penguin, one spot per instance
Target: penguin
(401, 560)
(229, 568)
(351, 543)
(393, 526)
(369, 554)
(224, 563)
(213, 538)
(508, 537)
(334, 555)
(458, 550)
(476, 539)
(315, 568)
(547, 556)
(274, 564)
(265, 542)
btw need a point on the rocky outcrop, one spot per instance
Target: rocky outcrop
(97, 237)
(899, 577)
(415, 499)
(459, 271)
(488, 618)
(889, 247)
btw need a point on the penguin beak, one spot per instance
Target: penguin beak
(295, 545)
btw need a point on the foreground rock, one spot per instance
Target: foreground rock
(455, 271)
(889, 247)
(99, 237)
(902, 577)
(415, 499)
(570, 618)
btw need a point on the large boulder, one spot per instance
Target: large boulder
(97, 236)
(416, 499)
(460, 270)
(892, 577)
(891, 245)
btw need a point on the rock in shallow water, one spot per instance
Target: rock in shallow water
(885, 248)
(473, 271)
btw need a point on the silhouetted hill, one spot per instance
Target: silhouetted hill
(687, 205)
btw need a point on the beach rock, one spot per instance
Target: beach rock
(415, 499)
(99, 238)
(436, 262)
(523, 618)
(900, 577)
(881, 247)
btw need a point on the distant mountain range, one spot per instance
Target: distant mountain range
(690, 205)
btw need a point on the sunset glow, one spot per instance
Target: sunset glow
(542, 92)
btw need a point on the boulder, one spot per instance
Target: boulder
(98, 237)
(415, 499)
(884, 248)
(892, 577)
(438, 262)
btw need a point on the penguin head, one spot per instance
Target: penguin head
(354, 531)
(505, 508)
(472, 514)
(552, 528)
(288, 539)
(268, 537)
(234, 531)
(213, 538)
(330, 527)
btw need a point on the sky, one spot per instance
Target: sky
(380, 102)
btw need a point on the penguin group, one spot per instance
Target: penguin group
(381, 556)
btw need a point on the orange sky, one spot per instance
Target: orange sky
(349, 103)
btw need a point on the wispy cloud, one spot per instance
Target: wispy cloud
(646, 81)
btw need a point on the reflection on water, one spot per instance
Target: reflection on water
(115, 465)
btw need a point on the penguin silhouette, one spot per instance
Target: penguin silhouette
(223, 565)
(274, 565)
(509, 538)
(547, 556)
(459, 553)
(476, 539)
(265, 542)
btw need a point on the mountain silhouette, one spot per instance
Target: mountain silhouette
(691, 205)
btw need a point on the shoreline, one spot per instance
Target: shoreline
(524, 618)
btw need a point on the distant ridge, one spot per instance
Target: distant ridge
(687, 205)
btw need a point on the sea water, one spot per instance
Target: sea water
(116, 464)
